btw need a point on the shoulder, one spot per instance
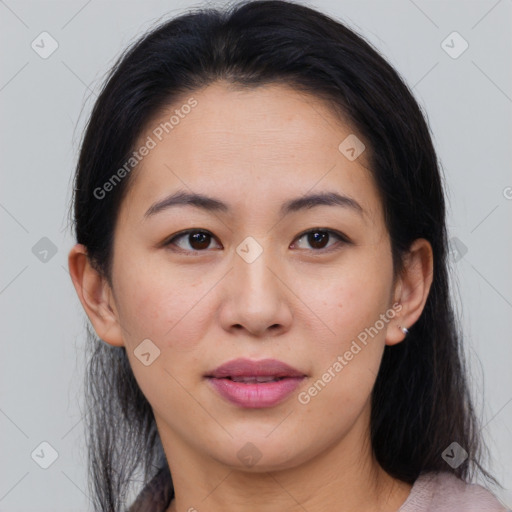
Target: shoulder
(444, 492)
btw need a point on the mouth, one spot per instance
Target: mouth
(255, 384)
(247, 370)
(254, 379)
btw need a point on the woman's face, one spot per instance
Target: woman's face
(254, 286)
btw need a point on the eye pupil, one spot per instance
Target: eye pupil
(315, 240)
(199, 238)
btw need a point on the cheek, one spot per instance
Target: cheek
(346, 364)
(162, 304)
(354, 306)
(352, 297)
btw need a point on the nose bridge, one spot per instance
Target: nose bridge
(253, 260)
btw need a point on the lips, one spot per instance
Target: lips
(255, 384)
(246, 370)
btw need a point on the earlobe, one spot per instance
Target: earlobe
(413, 288)
(95, 295)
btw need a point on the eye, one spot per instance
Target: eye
(197, 239)
(318, 238)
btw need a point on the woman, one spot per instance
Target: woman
(261, 251)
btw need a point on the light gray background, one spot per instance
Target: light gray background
(44, 104)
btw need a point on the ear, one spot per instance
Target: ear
(412, 289)
(95, 295)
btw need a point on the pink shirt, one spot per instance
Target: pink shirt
(444, 492)
(431, 492)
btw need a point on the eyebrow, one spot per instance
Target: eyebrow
(204, 202)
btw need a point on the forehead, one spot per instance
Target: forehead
(268, 143)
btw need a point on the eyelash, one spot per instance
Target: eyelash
(340, 236)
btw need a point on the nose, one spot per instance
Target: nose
(257, 297)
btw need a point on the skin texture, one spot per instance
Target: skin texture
(255, 149)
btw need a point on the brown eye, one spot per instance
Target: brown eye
(197, 240)
(318, 239)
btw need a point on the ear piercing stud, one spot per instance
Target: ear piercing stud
(404, 330)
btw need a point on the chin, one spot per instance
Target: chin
(258, 454)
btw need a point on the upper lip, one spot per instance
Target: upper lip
(248, 368)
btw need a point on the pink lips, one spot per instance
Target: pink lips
(247, 390)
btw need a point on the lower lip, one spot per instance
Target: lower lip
(256, 395)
